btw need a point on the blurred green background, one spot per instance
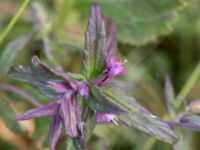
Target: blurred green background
(156, 37)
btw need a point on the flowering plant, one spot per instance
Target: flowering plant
(78, 98)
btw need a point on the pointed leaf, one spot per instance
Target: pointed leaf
(95, 37)
(44, 73)
(169, 95)
(24, 74)
(49, 82)
(111, 38)
(169, 91)
(43, 111)
(137, 115)
(55, 131)
(70, 112)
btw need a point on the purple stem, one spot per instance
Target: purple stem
(20, 92)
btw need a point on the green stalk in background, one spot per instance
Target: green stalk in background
(190, 83)
(13, 20)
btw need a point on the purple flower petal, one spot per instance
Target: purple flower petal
(107, 118)
(54, 131)
(43, 111)
(115, 68)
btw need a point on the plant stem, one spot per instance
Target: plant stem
(189, 84)
(13, 20)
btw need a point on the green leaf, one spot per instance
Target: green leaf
(11, 51)
(95, 37)
(100, 104)
(76, 76)
(137, 115)
(169, 96)
(7, 114)
(39, 75)
(138, 21)
(25, 74)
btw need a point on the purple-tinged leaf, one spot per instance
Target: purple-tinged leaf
(190, 122)
(137, 115)
(111, 39)
(70, 113)
(100, 103)
(43, 111)
(49, 82)
(24, 74)
(95, 38)
(44, 73)
(54, 131)
(100, 43)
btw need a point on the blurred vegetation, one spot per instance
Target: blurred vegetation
(157, 38)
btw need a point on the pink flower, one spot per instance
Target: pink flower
(115, 68)
(107, 118)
